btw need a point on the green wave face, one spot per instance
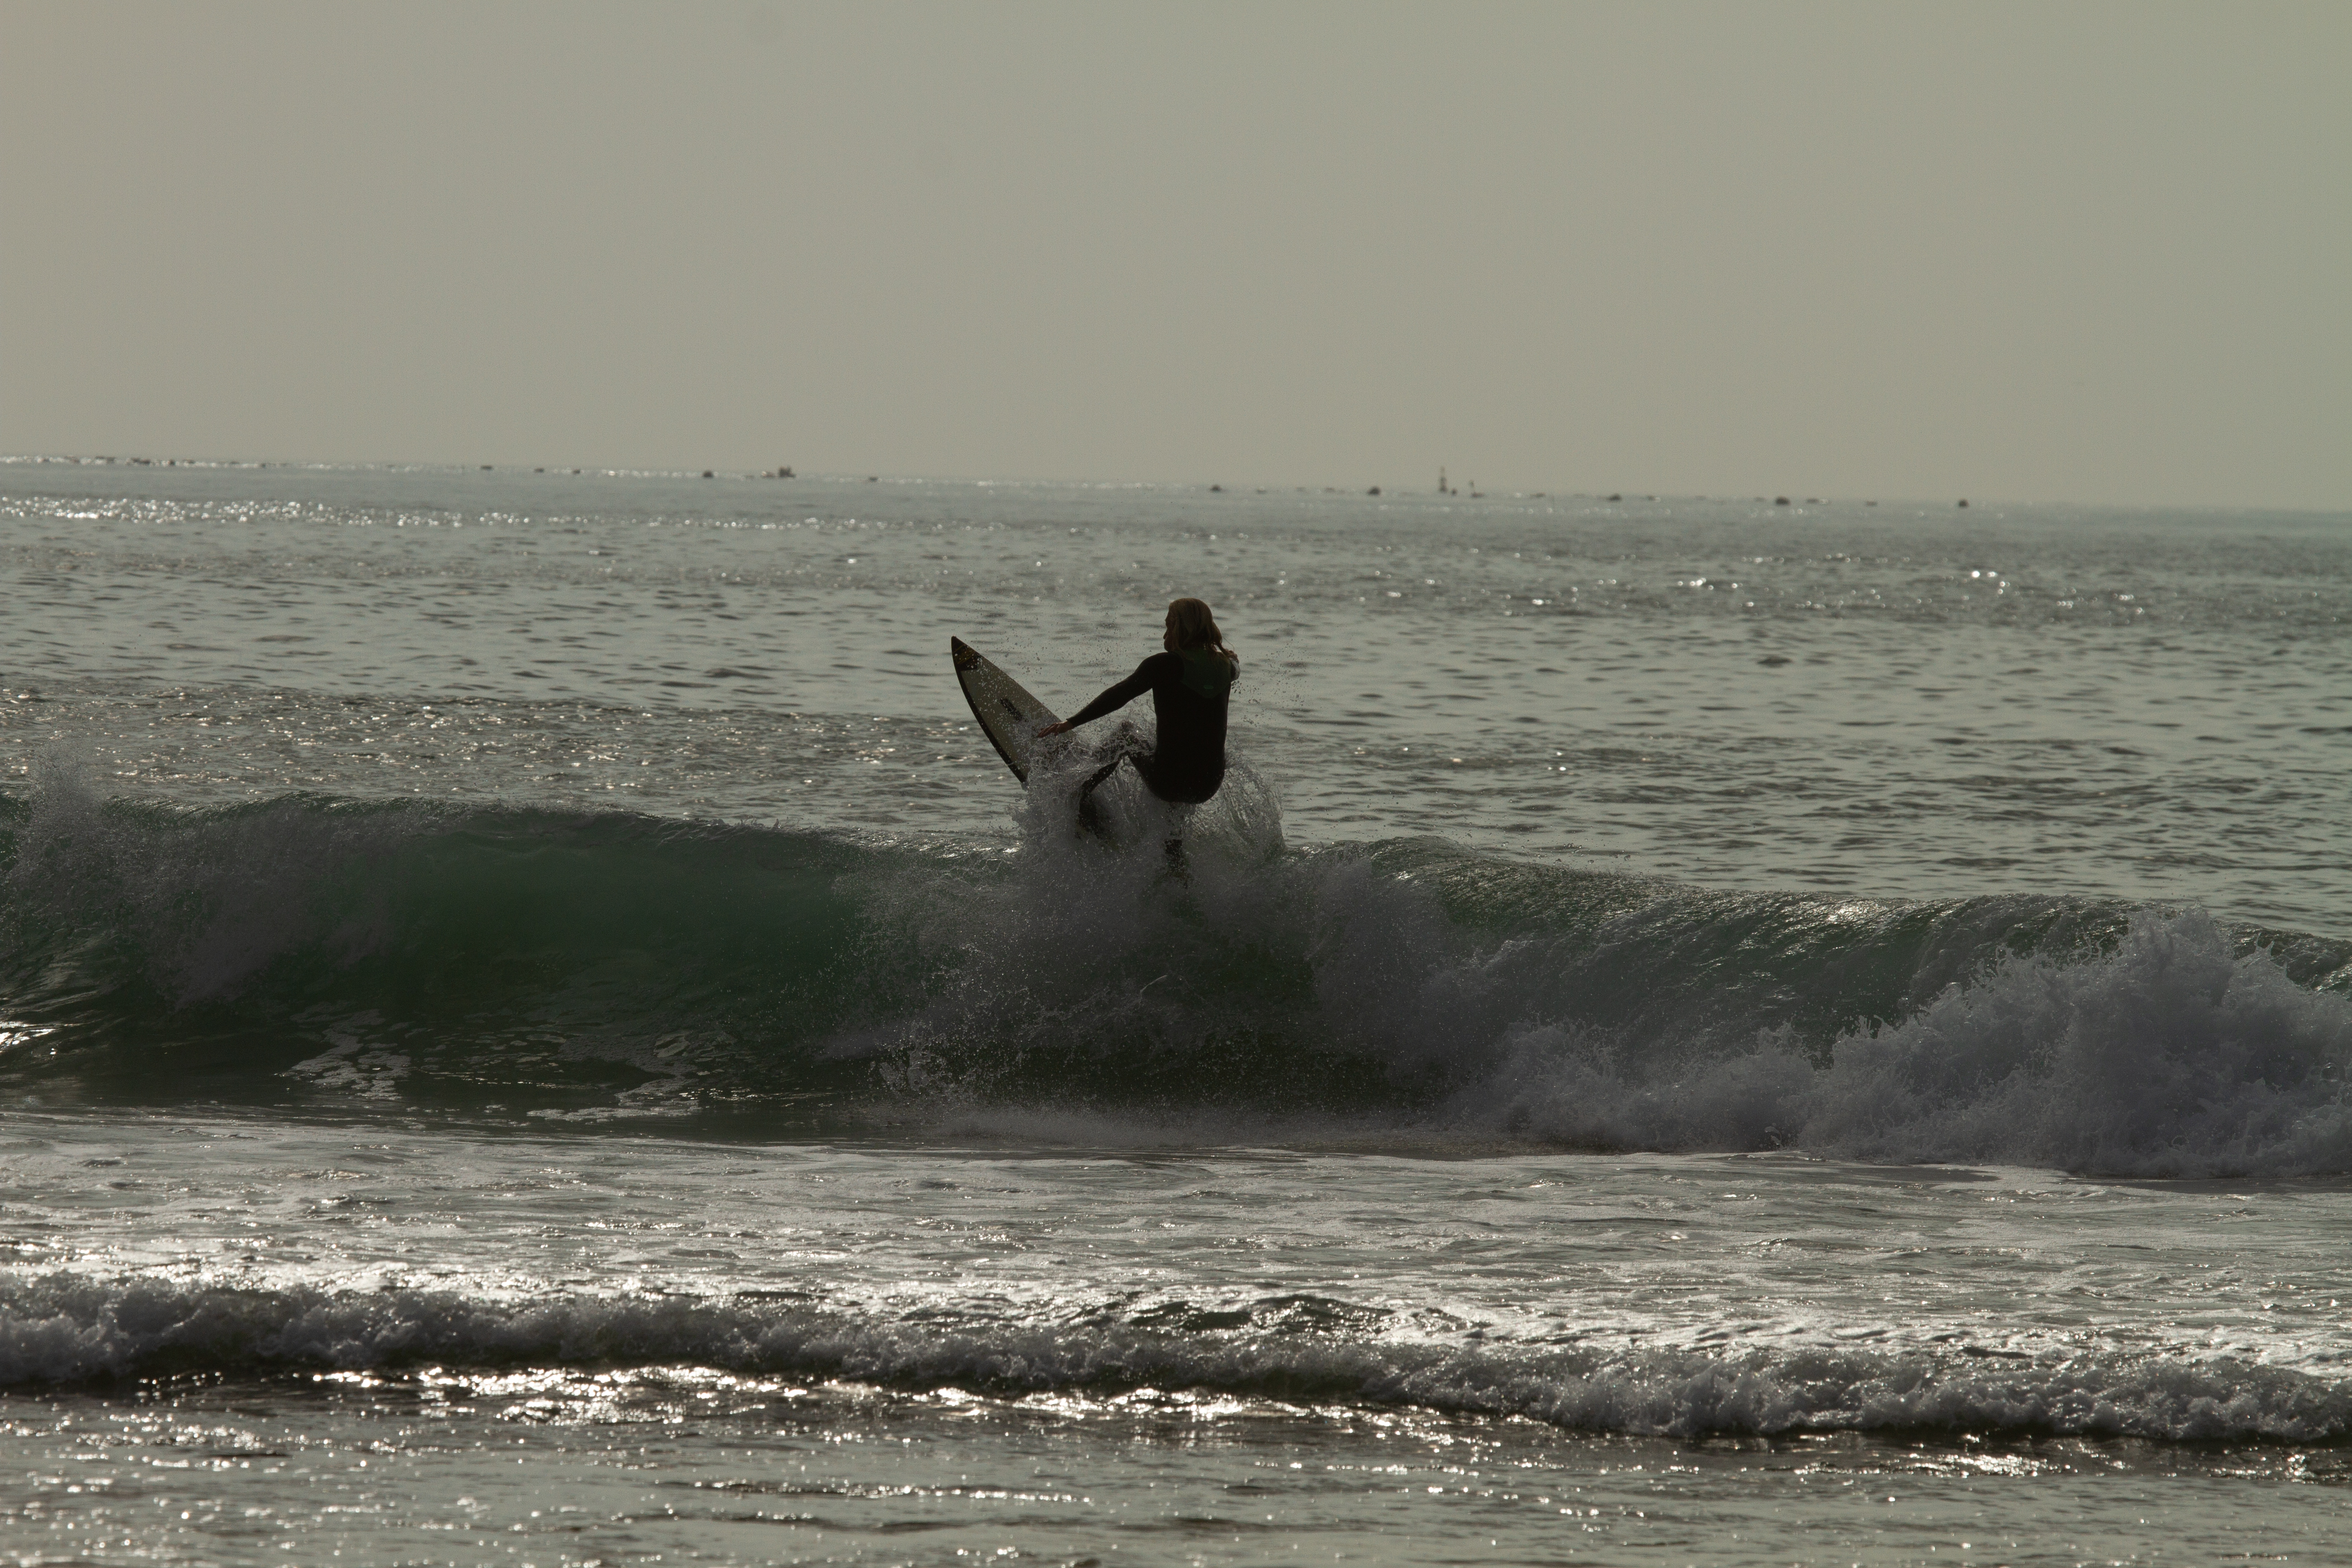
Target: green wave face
(504, 953)
(397, 958)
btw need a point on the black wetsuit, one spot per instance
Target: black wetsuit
(1189, 691)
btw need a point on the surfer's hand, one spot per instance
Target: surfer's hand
(1052, 730)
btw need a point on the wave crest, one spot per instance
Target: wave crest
(611, 968)
(68, 1329)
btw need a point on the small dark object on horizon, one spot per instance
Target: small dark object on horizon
(784, 471)
(485, 468)
(1216, 489)
(707, 474)
(1964, 500)
(1779, 500)
(1373, 491)
(1617, 498)
(1774, 658)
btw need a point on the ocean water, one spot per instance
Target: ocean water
(533, 1028)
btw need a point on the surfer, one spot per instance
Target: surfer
(1188, 685)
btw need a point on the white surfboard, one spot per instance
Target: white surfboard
(1008, 715)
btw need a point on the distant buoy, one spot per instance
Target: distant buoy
(1964, 501)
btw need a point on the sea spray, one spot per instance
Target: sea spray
(2171, 1055)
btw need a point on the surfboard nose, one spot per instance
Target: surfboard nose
(964, 654)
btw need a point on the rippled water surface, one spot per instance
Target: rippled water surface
(1887, 700)
(533, 1028)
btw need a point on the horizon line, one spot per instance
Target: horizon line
(789, 473)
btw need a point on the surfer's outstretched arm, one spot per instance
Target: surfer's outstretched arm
(1110, 701)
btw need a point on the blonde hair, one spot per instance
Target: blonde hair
(1195, 626)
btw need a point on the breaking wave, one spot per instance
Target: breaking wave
(67, 1328)
(609, 968)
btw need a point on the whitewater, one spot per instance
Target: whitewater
(534, 1027)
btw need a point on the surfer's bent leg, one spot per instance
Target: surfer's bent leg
(1126, 742)
(1100, 774)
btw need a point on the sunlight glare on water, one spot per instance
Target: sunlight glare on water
(534, 1027)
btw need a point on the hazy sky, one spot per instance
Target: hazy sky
(2043, 251)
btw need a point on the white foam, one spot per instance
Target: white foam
(74, 1329)
(2169, 1057)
